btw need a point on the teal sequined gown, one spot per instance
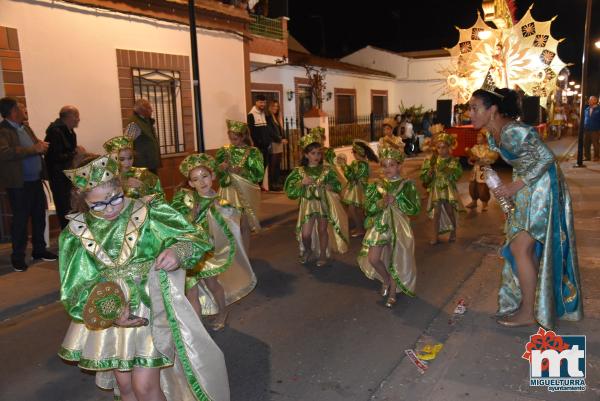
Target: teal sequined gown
(543, 209)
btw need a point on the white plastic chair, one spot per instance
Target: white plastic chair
(50, 210)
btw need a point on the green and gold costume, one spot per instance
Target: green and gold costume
(150, 183)
(123, 251)
(440, 175)
(389, 226)
(241, 189)
(318, 201)
(357, 176)
(217, 223)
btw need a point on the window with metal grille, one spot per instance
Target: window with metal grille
(162, 89)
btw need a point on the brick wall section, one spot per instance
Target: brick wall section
(128, 59)
(10, 64)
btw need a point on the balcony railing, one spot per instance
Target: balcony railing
(267, 27)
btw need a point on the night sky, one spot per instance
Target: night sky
(429, 24)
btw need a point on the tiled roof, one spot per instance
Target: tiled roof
(298, 58)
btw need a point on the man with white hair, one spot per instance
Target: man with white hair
(62, 148)
(140, 129)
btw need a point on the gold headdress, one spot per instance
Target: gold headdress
(196, 160)
(390, 152)
(116, 144)
(312, 137)
(237, 127)
(96, 172)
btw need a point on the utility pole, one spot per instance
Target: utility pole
(196, 77)
(584, 88)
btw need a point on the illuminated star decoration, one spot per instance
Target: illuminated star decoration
(522, 55)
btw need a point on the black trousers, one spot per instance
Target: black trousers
(61, 193)
(27, 202)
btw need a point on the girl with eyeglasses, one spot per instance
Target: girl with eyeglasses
(123, 285)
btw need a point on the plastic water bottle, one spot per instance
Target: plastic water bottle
(493, 181)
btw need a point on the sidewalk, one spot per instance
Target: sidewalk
(39, 285)
(481, 360)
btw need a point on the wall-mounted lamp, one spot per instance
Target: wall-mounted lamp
(290, 95)
(328, 96)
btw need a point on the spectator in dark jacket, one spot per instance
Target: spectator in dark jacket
(21, 172)
(62, 147)
(259, 131)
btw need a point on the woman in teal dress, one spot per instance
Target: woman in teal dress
(121, 285)
(540, 278)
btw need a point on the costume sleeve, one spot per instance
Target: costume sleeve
(78, 272)
(174, 232)
(222, 175)
(362, 171)
(293, 184)
(329, 156)
(426, 173)
(537, 157)
(255, 167)
(152, 183)
(453, 170)
(373, 200)
(348, 170)
(333, 181)
(183, 203)
(408, 199)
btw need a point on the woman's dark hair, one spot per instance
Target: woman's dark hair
(308, 149)
(507, 101)
(369, 153)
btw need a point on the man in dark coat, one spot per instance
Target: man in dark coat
(21, 173)
(62, 147)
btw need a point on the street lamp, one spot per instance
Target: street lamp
(572, 83)
(577, 86)
(561, 78)
(597, 44)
